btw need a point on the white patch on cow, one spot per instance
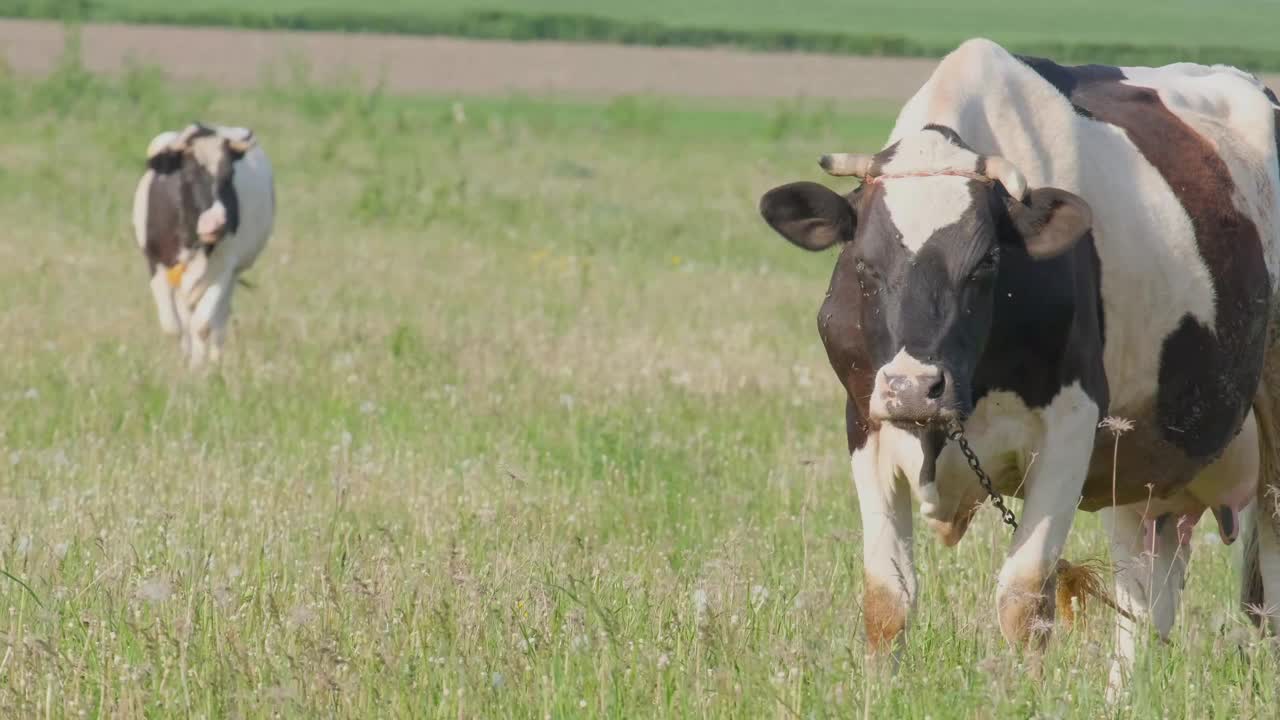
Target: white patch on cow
(208, 151)
(903, 365)
(1053, 487)
(920, 206)
(161, 143)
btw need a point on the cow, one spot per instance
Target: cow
(1075, 267)
(202, 212)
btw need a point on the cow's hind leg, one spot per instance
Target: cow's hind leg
(1150, 566)
(1260, 578)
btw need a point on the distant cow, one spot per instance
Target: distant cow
(1037, 248)
(202, 213)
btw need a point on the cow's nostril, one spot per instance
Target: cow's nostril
(937, 388)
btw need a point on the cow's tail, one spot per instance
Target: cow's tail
(1078, 583)
(1262, 517)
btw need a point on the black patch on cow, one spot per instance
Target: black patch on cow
(951, 135)
(1277, 128)
(1206, 378)
(1047, 325)
(844, 336)
(932, 440)
(1067, 79)
(1228, 520)
(165, 162)
(1270, 96)
(882, 158)
(1161, 521)
(231, 201)
(167, 232)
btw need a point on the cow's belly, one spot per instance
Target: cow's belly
(1145, 466)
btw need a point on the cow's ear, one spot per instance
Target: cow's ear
(1049, 221)
(809, 215)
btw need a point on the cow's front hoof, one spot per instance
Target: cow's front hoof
(884, 615)
(1026, 608)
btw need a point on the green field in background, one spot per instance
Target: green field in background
(1243, 32)
(525, 416)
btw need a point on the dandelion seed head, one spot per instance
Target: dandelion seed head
(1117, 425)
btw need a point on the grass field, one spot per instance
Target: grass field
(1129, 32)
(526, 417)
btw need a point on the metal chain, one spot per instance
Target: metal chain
(956, 433)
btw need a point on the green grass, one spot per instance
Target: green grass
(1245, 32)
(526, 417)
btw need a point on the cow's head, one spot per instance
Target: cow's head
(204, 160)
(911, 301)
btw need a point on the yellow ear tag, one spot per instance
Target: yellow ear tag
(175, 274)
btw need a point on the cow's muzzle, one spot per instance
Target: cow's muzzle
(212, 224)
(910, 392)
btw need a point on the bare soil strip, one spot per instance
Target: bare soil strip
(238, 58)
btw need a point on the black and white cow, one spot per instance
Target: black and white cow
(1037, 248)
(202, 213)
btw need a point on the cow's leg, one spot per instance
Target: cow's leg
(219, 325)
(1266, 518)
(218, 318)
(166, 308)
(183, 309)
(889, 577)
(1260, 573)
(1027, 583)
(209, 317)
(1151, 568)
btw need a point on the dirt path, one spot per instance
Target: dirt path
(238, 58)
